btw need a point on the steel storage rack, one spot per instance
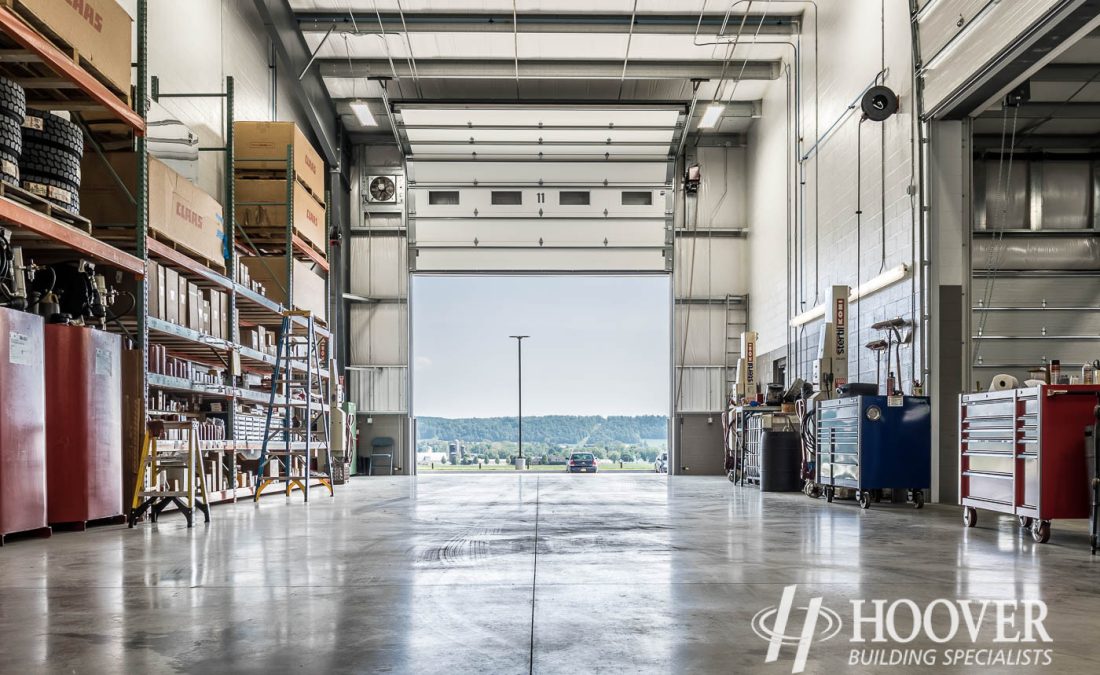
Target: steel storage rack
(1022, 452)
(873, 443)
(53, 77)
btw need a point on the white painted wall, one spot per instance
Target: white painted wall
(856, 41)
(768, 193)
(193, 46)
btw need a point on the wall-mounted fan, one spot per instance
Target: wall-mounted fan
(382, 190)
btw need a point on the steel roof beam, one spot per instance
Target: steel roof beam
(310, 90)
(499, 22)
(548, 69)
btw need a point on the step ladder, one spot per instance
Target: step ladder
(734, 326)
(153, 492)
(299, 388)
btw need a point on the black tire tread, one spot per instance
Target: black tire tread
(56, 132)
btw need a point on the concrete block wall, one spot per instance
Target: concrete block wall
(193, 46)
(835, 244)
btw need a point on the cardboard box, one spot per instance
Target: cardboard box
(194, 307)
(171, 295)
(269, 209)
(178, 210)
(205, 318)
(99, 30)
(262, 146)
(184, 302)
(309, 288)
(214, 300)
(152, 281)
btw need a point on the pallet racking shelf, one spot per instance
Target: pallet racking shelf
(55, 80)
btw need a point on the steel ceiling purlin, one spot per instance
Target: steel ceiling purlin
(505, 68)
(501, 22)
(309, 89)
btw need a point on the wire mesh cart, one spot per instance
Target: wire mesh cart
(869, 444)
(1022, 452)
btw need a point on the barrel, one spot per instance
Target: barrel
(780, 461)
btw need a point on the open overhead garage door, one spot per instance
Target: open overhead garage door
(543, 188)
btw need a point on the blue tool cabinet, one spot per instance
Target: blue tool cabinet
(872, 443)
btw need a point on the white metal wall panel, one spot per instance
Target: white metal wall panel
(713, 267)
(699, 389)
(381, 332)
(378, 389)
(379, 266)
(700, 337)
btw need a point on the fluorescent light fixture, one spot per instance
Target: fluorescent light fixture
(887, 278)
(362, 113)
(711, 116)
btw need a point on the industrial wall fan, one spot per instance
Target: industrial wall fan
(382, 190)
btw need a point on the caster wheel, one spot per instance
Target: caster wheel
(918, 499)
(970, 516)
(1094, 542)
(1025, 522)
(815, 493)
(1040, 531)
(829, 495)
(731, 475)
(864, 499)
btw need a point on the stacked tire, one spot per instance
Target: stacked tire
(49, 165)
(13, 111)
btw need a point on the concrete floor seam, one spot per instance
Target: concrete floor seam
(534, 579)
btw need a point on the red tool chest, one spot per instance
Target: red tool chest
(1022, 451)
(83, 424)
(22, 424)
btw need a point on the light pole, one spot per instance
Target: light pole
(521, 463)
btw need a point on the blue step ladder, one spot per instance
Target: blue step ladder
(300, 389)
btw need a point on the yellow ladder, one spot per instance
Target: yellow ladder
(158, 457)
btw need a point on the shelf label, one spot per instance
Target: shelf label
(34, 122)
(20, 349)
(103, 364)
(895, 401)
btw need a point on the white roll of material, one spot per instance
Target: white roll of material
(1002, 382)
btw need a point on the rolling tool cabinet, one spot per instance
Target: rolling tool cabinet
(1022, 452)
(872, 443)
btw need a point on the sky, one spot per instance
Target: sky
(598, 345)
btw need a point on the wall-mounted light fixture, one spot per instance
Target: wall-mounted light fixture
(887, 278)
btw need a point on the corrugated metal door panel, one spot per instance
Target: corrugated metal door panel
(999, 26)
(536, 260)
(530, 173)
(534, 232)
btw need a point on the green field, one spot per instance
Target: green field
(541, 468)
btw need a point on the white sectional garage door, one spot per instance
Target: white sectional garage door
(540, 189)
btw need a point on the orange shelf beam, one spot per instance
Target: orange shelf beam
(64, 66)
(310, 253)
(20, 217)
(161, 250)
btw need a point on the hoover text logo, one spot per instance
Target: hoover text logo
(777, 636)
(898, 623)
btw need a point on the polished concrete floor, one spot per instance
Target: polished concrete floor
(516, 574)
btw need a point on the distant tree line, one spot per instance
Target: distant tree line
(549, 429)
